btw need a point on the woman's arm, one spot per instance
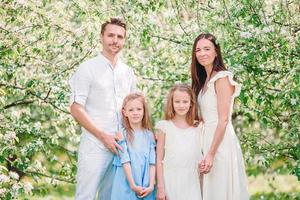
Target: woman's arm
(224, 91)
(160, 153)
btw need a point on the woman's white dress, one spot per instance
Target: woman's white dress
(227, 179)
(180, 163)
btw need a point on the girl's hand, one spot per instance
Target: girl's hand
(146, 191)
(161, 194)
(207, 163)
(137, 189)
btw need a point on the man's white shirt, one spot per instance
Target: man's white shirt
(100, 89)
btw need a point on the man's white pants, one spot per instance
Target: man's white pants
(94, 170)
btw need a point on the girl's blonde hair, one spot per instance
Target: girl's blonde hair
(192, 114)
(146, 124)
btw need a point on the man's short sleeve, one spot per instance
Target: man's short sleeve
(80, 85)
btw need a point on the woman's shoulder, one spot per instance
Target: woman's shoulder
(225, 74)
(221, 74)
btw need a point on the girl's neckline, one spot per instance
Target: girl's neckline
(179, 127)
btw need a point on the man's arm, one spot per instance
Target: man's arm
(79, 113)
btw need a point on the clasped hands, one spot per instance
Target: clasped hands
(141, 191)
(206, 164)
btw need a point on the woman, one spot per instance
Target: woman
(222, 165)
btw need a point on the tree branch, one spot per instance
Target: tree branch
(37, 96)
(18, 103)
(171, 40)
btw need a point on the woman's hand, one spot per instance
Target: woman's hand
(206, 164)
(161, 194)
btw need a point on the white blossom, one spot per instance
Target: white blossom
(23, 151)
(267, 30)
(4, 178)
(2, 192)
(48, 180)
(284, 31)
(39, 142)
(14, 190)
(15, 187)
(37, 125)
(28, 187)
(285, 125)
(21, 2)
(293, 102)
(245, 35)
(14, 175)
(54, 182)
(10, 136)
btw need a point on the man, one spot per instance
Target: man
(98, 89)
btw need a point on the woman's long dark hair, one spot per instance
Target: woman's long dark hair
(198, 72)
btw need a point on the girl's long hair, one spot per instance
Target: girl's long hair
(192, 114)
(198, 72)
(146, 124)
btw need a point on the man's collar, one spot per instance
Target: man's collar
(108, 61)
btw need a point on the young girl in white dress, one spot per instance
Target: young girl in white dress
(222, 165)
(178, 147)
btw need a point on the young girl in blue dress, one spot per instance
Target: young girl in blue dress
(135, 164)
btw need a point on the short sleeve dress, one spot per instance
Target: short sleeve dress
(227, 179)
(181, 157)
(141, 154)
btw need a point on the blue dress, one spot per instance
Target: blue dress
(141, 154)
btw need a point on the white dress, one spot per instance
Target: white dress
(227, 179)
(181, 158)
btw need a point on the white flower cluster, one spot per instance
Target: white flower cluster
(14, 175)
(252, 31)
(28, 188)
(293, 102)
(3, 191)
(4, 178)
(9, 136)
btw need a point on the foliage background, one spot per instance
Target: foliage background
(42, 43)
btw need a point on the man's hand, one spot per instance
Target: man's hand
(110, 142)
(119, 136)
(79, 113)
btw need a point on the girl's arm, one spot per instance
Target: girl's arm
(124, 159)
(224, 91)
(128, 173)
(160, 153)
(152, 176)
(146, 191)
